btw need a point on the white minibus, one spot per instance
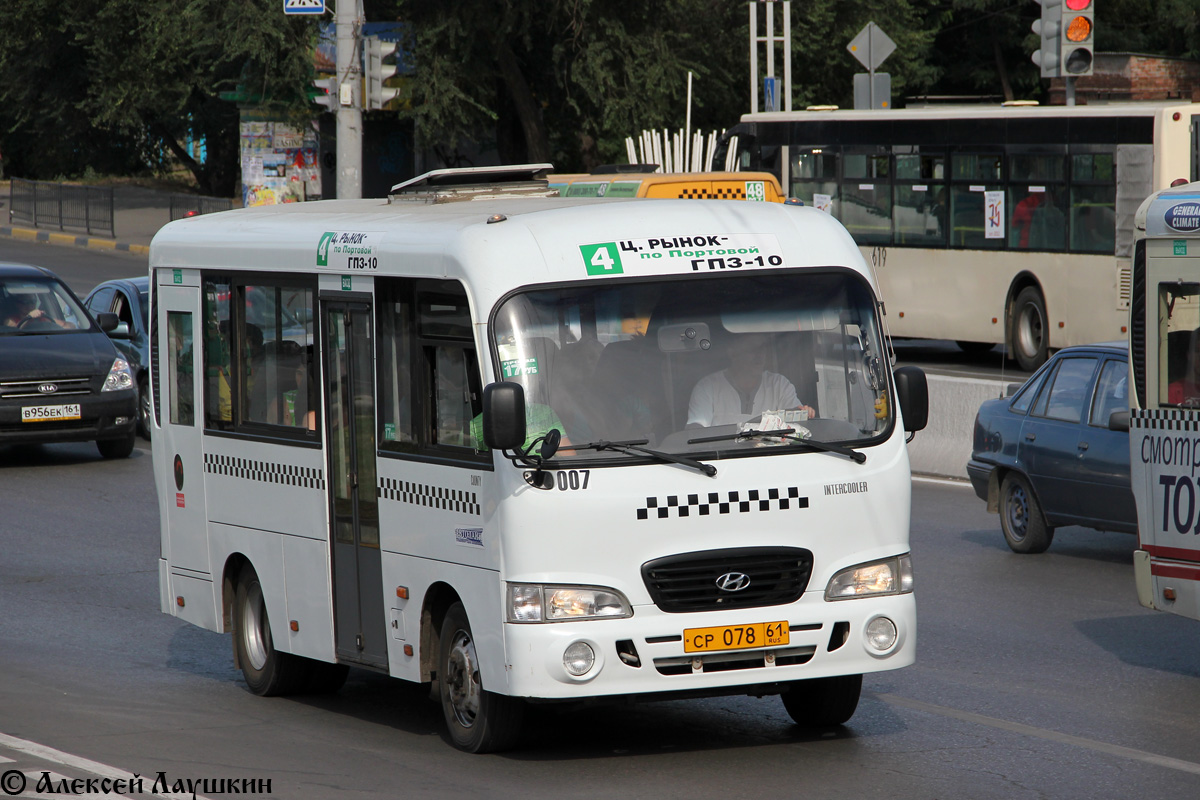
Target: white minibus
(532, 448)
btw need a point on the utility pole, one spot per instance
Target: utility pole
(349, 20)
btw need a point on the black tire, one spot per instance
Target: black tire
(267, 671)
(478, 721)
(823, 702)
(1029, 329)
(1021, 517)
(144, 412)
(116, 448)
(975, 348)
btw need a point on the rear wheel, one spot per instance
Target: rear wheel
(267, 671)
(1021, 519)
(116, 448)
(1029, 332)
(823, 702)
(479, 721)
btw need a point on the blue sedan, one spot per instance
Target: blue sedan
(129, 299)
(1045, 456)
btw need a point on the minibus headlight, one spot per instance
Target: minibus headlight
(119, 377)
(889, 576)
(532, 602)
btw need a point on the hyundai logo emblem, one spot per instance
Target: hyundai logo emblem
(48, 388)
(733, 581)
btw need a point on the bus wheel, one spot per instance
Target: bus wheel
(267, 671)
(1021, 519)
(1030, 333)
(822, 702)
(479, 721)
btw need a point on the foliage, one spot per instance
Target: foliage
(122, 84)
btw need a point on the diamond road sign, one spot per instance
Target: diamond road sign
(304, 6)
(871, 47)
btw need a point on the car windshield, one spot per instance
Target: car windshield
(38, 305)
(699, 366)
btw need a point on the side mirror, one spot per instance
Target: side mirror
(912, 391)
(120, 332)
(1119, 420)
(504, 416)
(108, 321)
(1012, 389)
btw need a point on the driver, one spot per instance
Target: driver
(743, 389)
(23, 307)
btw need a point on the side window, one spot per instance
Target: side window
(123, 309)
(1069, 393)
(180, 388)
(218, 355)
(101, 301)
(1179, 344)
(1025, 398)
(451, 369)
(396, 395)
(1112, 392)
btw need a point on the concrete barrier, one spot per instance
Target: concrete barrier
(944, 447)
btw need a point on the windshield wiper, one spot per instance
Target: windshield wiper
(633, 447)
(815, 444)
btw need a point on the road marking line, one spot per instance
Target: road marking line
(78, 762)
(1041, 733)
(941, 481)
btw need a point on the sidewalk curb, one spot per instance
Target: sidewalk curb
(34, 235)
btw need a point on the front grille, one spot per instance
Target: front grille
(63, 387)
(688, 582)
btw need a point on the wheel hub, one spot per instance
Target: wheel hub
(256, 635)
(1018, 511)
(462, 680)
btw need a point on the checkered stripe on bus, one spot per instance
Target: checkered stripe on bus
(264, 471)
(720, 193)
(736, 502)
(1165, 419)
(423, 494)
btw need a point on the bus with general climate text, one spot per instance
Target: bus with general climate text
(527, 448)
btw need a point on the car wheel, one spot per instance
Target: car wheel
(1029, 334)
(145, 412)
(823, 702)
(116, 448)
(1021, 519)
(479, 721)
(267, 671)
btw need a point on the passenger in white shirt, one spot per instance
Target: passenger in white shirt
(742, 390)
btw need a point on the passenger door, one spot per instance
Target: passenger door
(1053, 435)
(360, 628)
(1103, 471)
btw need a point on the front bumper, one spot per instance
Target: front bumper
(98, 420)
(826, 639)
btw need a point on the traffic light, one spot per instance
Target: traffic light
(1049, 27)
(1078, 37)
(379, 64)
(325, 93)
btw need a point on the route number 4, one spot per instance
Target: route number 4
(601, 259)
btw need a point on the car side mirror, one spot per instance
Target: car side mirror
(1119, 420)
(1012, 389)
(913, 392)
(108, 321)
(504, 416)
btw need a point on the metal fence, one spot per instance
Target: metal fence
(189, 205)
(62, 206)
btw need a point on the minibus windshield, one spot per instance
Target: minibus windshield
(710, 366)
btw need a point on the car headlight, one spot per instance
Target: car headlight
(119, 377)
(533, 602)
(889, 576)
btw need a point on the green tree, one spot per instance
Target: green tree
(136, 78)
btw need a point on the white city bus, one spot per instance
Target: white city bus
(987, 224)
(1164, 424)
(452, 436)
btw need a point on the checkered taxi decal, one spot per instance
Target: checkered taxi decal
(1164, 419)
(422, 494)
(264, 471)
(720, 193)
(738, 502)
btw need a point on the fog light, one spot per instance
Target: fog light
(881, 634)
(120, 420)
(579, 658)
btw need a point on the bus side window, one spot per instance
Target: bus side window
(1093, 203)
(395, 342)
(218, 363)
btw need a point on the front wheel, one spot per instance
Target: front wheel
(823, 702)
(479, 721)
(267, 671)
(1021, 519)
(1029, 333)
(116, 448)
